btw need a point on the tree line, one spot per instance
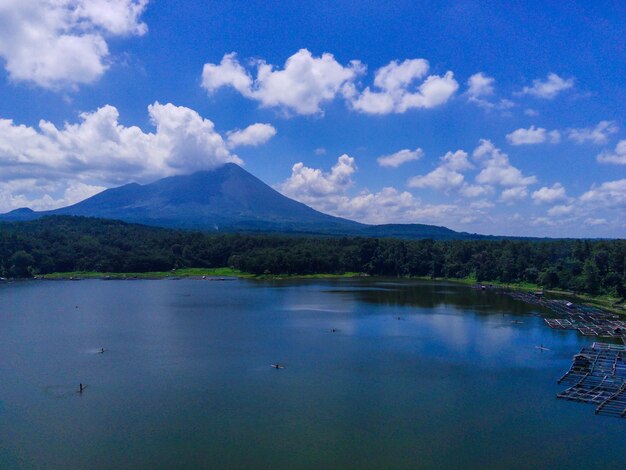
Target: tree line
(68, 244)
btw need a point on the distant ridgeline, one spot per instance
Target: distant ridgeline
(226, 199)
(67, 244)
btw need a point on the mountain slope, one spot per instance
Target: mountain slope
(225, 199)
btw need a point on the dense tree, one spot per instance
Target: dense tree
(64, 244)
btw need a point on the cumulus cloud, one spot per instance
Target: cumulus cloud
(548, 88)
(494, 170)
(396, 89)
(254, 135)
(447, 175)
(608, 194)
(98, 151)
(511, 195)
(480, 85)
(594, 222)
(41, 194)
(475, 190)
(480, 91)
(306, 83)
(100, 147)
(58, 44)
(334, 192)
(302, 85)
(307, 183)
(497, 169)
(560, 210)
(533, 135)
(598, 135)
(550, 195)
(618, 156)
(398, 158)
(328, 192)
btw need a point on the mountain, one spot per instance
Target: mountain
(226, 199)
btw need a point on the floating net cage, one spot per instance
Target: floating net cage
(589, 321)
(598, 375)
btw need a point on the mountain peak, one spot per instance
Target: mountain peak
(227, 197)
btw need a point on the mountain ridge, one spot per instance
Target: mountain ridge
(226, 199)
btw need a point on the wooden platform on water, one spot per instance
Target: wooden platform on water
(589, 321)
(598, 375)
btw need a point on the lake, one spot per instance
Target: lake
(416, 375)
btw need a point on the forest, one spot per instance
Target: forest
(69, 244)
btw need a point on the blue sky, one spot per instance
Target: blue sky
(474, 115)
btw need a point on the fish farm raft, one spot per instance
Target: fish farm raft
(598, 376)
(589, 321)
(598, 372)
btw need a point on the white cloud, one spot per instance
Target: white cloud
(545, 221)
(608, 194)
(41, 194)
(398, 91)
(99, 151)
(61, 43)
(447, 175)
(320, 151)
(546, 195)
(548, 88)
(483, 204)
(533, 135)
(515, 194)
(302, 86)
(76, 160)
(531, 112)
(385, 206)
(618, 156)
(306, 82)
(253, 135)
(475, 190)
(594, 222)
(403, 156)
(328, 192)
(560, 210)
(597, 135)
(497, 169)
(480, 85)
(480, 89)
(307, 183)
(441, 178)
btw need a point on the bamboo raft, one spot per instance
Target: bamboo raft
(598, 375)
(589, 321)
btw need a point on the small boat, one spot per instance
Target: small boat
(542, 348)
(277, 366)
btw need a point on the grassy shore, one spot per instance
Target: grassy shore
(606, 302)
(186, 272)
(189, 273)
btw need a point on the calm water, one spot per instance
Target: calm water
(186, 379)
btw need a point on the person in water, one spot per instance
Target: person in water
(80, 388)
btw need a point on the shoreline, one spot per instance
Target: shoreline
(223, 274)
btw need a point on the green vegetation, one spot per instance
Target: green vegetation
(184, 272)
(187, 272)
(82, 247)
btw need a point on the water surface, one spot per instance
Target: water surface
(416, 375)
